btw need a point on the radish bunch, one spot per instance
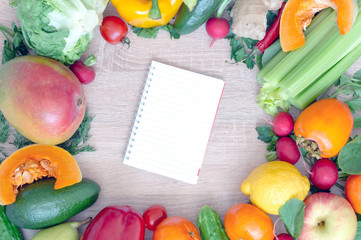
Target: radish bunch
(286, 147)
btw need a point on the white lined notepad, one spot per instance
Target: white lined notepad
(173, 122)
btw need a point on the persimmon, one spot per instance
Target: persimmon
(176, 228)
(248, 222)
(324, 127)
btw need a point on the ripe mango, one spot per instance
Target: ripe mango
(41, 98)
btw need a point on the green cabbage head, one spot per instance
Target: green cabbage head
(59, 29)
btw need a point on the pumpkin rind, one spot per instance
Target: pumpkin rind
(297, 15)
(67, 169)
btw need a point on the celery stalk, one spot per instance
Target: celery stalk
(315, 38)
(302, 75)
(322, 16)
(323, 82)
(335, 47)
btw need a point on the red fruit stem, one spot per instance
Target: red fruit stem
(272, 33)
(221, 8)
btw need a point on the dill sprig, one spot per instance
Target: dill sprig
(4, 129)
(75, 145)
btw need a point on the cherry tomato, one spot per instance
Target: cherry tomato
(153, 216)
(327, 122)
(113, 29)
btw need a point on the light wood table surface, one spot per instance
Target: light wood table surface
(233, 150)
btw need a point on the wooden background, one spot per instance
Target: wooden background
(233, 149)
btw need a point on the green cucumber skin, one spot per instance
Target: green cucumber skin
(38, 205)
(8, 231)
(187, 22)
(210, 225)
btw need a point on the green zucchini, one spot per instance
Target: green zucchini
(210, 225)
(188, 21)
(8, 231)
(38, 205)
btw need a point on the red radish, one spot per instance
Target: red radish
(84, 72)
(217, 28)
(287, 150)
(324, 174)
(283, 236)
(282, 124)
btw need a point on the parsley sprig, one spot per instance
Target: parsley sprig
(153, 32)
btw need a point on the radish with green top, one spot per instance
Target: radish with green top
(84, 70)
(218, 27)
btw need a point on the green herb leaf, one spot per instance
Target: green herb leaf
(357, 75)
(349, 158)
(265, 133)
(358, 233)
(292, 213)
(354, 104)
(153, 32)
(357, 122)
(4, 128)
(77, 143)
(250, 62)
(13, 3)
(271, 18)
(249, 42)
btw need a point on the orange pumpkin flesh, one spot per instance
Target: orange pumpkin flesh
(34, 162)
(297, 15)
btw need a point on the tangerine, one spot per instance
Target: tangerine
(248, 222)
(176, 228)
(353, 192)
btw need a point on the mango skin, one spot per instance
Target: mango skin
(41, 98)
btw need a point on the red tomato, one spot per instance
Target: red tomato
(153, 216)
(113, 29)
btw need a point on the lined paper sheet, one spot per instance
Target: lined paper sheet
(173, 122)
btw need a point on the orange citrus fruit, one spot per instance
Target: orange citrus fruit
(353, 192)
(248, 222)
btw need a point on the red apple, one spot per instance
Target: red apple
(328, 216)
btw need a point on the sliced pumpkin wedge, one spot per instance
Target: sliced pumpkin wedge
(34, 162)
(298, 14)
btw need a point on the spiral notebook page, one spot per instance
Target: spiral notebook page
(173, 122)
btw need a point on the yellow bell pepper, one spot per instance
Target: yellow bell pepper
(136, 12)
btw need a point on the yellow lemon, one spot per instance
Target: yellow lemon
(272, 184)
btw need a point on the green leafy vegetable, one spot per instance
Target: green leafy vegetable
(63, 29)
(349, 158)
(292, 213)
(357, 122)
(75, 145)
(14, 44)
(153, 32)
(4, 129)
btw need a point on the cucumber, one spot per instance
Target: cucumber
(210, 225)
(187, 22)
(8, 231)
(38, 205)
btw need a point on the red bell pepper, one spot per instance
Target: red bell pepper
(116, 223)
